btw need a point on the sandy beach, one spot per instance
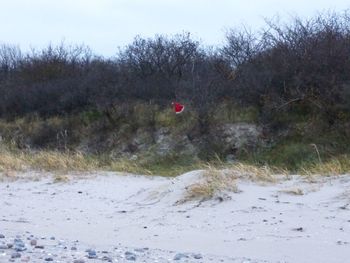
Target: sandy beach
(121, 218)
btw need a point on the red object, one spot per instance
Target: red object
(178, 108)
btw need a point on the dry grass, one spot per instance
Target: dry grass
(256, 173)
(46, 161)
(214, 181)
(293, 191)
(218, 174)
(53, 161)
(128, 166)
(61, 178)
(10, 161)
(335, 166)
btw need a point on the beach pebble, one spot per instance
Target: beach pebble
(92, 254)
(2, 236)
(130, 256)
(180, 256)
(19, 245)
(106, 258)
(33, 242)
(197, 256)
(16, 255)
(40, 247)
(49, 259)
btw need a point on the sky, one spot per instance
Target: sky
(105, 25)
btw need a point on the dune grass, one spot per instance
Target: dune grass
(213, 182)
(223, 178)
(55, 161)
(333, 166)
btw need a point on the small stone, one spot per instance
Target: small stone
(299, 229)
(16, 255)
(79, 261)
(49, 259)
(180, 256)
(106, 258)
(2, 236)
(197, 256)
(19, 245)
(52, 238)
(20, 249)
(40, 247)
(33, 242)
(73, 248)
(130, 256)
(92, 254)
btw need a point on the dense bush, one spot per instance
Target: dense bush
(300, 69)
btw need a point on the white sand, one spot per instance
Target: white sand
(261, 223)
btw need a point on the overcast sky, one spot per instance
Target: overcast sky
(106, 24)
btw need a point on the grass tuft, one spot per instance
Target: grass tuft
(334, 166)
(214, 181)
(256, 173)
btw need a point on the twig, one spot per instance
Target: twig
(318, 153)
(288, 102)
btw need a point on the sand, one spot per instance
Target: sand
(293, 220)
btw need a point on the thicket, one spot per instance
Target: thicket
(290, 73)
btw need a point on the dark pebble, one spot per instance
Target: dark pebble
(33, 242)
(19, 245)
(130, 256)
(300, 229)
(40, 247)
(180, 256)
(197, 256)
(73, 248)
(2, 236)
(106, 258)
(16, 255)
(79, 261)
(92, 254)
(49, 259)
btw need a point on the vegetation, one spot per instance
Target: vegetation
(69, 106)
